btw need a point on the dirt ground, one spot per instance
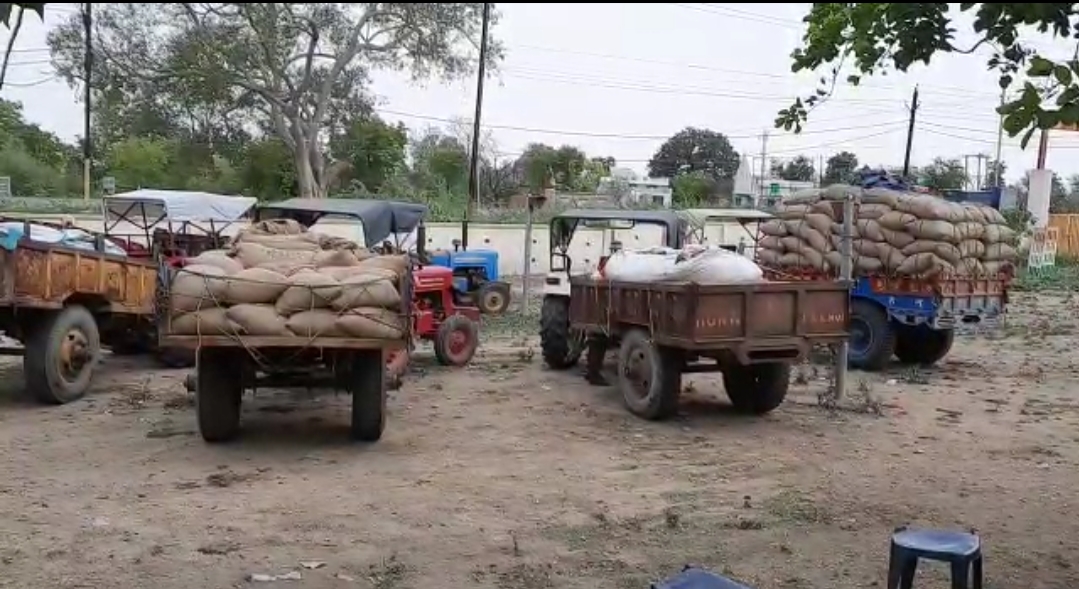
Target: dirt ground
(506, 475)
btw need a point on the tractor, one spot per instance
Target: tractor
(475, 277)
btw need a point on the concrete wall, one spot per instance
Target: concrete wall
(508, 240)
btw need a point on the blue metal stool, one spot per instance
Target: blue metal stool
(694, 578)
(963, 551)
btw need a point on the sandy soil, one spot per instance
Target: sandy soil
(506, 475)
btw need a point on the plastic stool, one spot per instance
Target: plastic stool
(694, 578)
(962, 550)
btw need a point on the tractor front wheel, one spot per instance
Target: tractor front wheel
(456, 341)
(493, 298)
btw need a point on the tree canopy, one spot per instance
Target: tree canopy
(839, 167)
(943, 174)
(799, 169)
(865, 39)
(293, 70)
(695, 150)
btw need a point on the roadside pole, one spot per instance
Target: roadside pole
(845, 272)
(528, 257)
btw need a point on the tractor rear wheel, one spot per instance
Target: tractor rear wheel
(757, 389)
(561, 347)
(493, 298)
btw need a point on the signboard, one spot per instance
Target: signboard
(108, 184)
(773, 189)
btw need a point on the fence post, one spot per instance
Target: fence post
(845, 273)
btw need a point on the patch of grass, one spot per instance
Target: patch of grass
(1064, 276)
(794, 506)
(387, 574)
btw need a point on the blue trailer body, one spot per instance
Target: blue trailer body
(983, 303)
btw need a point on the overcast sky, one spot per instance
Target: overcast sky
(615, 79)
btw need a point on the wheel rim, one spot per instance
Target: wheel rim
(861, 337)
(638, 373)
(492, 300)
(457, 346)
(74, 355)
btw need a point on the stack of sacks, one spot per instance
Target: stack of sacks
(894, 232)
(278, 279)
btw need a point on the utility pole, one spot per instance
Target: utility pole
(87, 70)
(764, 165)
(910, 133)
(1000, 141)
(473, 171)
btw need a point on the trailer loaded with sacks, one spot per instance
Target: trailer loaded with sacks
(284, 306)
(921, 265)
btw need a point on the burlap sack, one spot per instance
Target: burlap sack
(881, 196)
(896, 220)
(872, 211)
(308, 290)
(814, 237)
(254, 254)
(332, 242)
(995, 252)
(869, 229)
(219, 258)
(812, 259)
(275, 227)
(999, 234)
(255, 286)
(897, 239)
(372, 323)
(992, 215)
(775, 227)
(804, 196)
(301, 241)
(971, 230)
(931, 208)
(945, 251)
(969, 267)
(344, 272)
(994, 267)
(287, 268)
(314, 323)
(935, 231)
(258, 319)
(367, 290)
(839, 192)
(861, 264)
(925, 264)
(768, 257)
(209, 321)
(398, 263)
(770, 242)
(971, 248)
(974, 213)
(826, 208)
(336, 258)
(197, 287)
(792, 211)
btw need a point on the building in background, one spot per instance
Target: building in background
(629, 189)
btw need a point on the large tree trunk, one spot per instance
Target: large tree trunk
(308, 159)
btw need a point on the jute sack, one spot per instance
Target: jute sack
(815, 238)
(969, 267)
(332, 242)
(308, 290)
(314, 323)
(197, 287)
(822, 223)
(872, 211)
(301, 241)
(343, 272)
(945, 251)
(999, 234)
(971, 248)
(999, 252)
(896, 220)
(793, 260)
(864, 264)
(897, 239)
(367, 290)
(935, 231)
(258, 319)
(768, 257)
(971, 230)
(803, 196)
(792, 211)
(774, 227)
(398, 263)
(925, 264)
(839, 192)
(930, 208)
(994, 267)
(255, 286)
(336, 258)
(974, 213)
(287, 268)
(276, 227)
(219, 258)
(770, 242)
(209, 321)
(255, 254)
(368, 322)
(881, 196)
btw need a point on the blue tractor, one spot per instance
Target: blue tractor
(475, 277)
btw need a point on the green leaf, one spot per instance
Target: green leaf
(1039, 67)
(1005, 81)
(1063, 74)
(854, 80)
(1026, 138)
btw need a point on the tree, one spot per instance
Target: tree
(693, 189)
(994, 174)
(295, 67)
(373, 150)
(839, 167)
(566, 164)
(442, 159)
(943, 174)
(695, 150)
(874, 37)
(799, 169)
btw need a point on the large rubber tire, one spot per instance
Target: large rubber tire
(493, 298)
(456, 341)
(872, 339)
(922, 345)
(560, 346)
(367, 383)
(757, 389)
(649, 376)
(61, 355)
(218, 393)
